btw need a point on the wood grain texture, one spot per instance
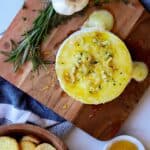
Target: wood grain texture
(101, 121)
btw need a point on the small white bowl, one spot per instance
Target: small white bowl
(125, 138)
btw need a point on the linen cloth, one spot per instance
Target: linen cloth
(18, 107)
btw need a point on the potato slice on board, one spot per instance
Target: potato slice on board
(31, 138)
(45, 146)
(27, 145)
(101, 19)
(140, 71)
(8, 143)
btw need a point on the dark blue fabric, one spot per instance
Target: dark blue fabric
(4, 121)
(146, 4)
(11, 95)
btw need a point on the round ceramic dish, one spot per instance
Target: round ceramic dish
(25, 129)
(125, 138)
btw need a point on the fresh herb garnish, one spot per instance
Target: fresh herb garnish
(96, 2)
(29, 48)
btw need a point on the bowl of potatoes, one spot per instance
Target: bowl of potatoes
(28, 137)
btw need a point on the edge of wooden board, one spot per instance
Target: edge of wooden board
(23, 78)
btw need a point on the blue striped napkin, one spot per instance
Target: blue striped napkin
(18, 107)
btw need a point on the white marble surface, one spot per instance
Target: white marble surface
(138, 124)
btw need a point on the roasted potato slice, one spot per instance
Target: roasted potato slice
(45, 146)
(8, 143)
(27, 145)
(30, 138)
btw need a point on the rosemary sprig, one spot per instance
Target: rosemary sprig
(101, 1)
(97, 2)
(29, 48)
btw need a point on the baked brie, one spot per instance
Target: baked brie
(93, 66)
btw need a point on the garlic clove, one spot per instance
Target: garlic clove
(69, 7)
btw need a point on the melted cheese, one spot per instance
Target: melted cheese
(93, 66)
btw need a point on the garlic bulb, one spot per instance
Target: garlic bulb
(69, 7)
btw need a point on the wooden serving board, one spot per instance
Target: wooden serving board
(102, 121)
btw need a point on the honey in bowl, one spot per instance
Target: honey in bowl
(123, 145)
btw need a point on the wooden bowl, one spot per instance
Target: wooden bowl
(26, 129)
